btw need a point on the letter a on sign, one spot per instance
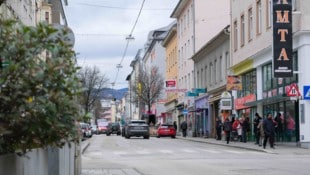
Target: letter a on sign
(293, 91)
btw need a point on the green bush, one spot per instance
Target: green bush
(38, 87)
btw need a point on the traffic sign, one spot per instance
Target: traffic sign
(293, 91)
(306, 92)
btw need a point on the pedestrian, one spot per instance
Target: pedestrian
(245, 129)
(218, 126)
(175, 126)
(237, 126)
(255, 128)
(269, 130)
(290, 127)
(227, 127)
(184, 128)
(260, 131)
(279, 129)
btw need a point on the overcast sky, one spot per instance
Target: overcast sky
(101, 28)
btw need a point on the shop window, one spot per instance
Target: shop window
(249, 84)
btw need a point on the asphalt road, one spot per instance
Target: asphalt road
(115, 155)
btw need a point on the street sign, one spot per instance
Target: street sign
(293, 91)
(185, 111)
(306, 92)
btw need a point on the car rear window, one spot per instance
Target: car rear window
(166, 126)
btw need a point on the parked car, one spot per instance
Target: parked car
(94, 129)
(166, 130)
(137, 128)
(86, 129)
(113, 128)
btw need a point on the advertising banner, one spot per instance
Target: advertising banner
(282, 39)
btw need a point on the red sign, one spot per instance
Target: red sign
(240, 102)
(293, 91)
(171, 83)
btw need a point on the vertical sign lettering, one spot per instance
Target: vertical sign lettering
(282, 38)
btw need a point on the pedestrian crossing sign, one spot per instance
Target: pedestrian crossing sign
(306, 92)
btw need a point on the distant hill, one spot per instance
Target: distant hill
(108, 93)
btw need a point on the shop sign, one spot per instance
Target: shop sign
(226, 102)
(233, 83)
(282, 39)
(171, 83)
(239, 102)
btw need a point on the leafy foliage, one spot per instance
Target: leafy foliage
(38, 87)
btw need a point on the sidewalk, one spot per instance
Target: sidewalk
(280, 147)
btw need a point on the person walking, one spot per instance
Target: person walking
(260, 131)
(227, 127)
(218, 126)
(256, 129)
(175, 126)
(245, 129)
(184, 128)
(269, 130)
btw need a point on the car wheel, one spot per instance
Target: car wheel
(173, 137)
(146, 137)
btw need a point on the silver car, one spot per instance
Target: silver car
(137, 128)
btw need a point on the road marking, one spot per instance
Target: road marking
(234, 152)
(120, 152)
(188, 150)
(210, 151)
(143, 152)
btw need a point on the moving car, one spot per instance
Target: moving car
(137, 128)
(113, 128)
(166, 130)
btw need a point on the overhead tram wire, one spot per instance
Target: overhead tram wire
(128, 40)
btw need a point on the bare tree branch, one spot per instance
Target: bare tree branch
(93, 83)
(148, 86)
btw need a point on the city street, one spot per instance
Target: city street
(107, 155)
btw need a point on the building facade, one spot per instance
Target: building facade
(170, 44)
(252, 59)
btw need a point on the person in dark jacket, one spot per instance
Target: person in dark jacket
(256, 129)
(184, 128)
(245, 129)
(218, 126)
(227, 127)
(269, 130)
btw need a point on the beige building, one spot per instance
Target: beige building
(171, 45)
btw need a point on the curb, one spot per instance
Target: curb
(85, 147)
(227, 145)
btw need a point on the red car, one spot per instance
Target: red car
(166, 130)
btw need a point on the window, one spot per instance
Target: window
(47, 17)
(267, 77)
(249, 85)
(227, 58)
(211, 74)
(242, 30)
(214, 70)
(269, 13)
(235, 36)
(221, 69)
(259, 17)
(250, 24)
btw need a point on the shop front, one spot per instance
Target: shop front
(202, 119)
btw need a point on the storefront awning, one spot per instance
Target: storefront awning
(269, 100)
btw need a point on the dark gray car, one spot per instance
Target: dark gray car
(137, 128)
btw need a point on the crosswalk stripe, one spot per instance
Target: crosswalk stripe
(166, 151)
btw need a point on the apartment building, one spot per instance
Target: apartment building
(198, 23)
(170, 44)
(252, 58)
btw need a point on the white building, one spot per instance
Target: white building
(252, 57)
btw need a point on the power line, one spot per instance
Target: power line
(120, 8)
(128, 40)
